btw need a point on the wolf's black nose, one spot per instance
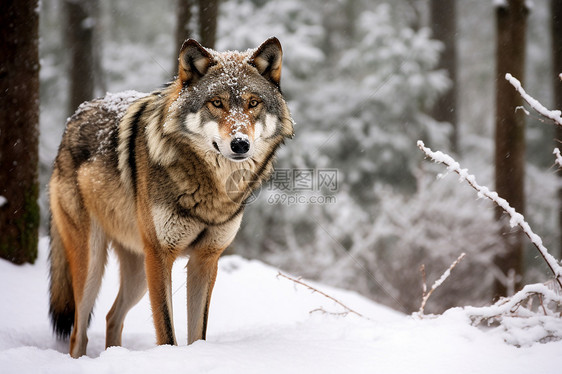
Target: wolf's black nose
(240, 145)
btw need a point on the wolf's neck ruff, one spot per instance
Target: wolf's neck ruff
(200, 175)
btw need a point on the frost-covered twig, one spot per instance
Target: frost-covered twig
(437, 283)
(516, 219)
(554, 115)
(558, 160)
(298, 281)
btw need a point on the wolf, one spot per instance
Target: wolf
(151, 174)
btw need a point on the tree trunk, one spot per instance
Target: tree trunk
(184, 9)
(80, 16)
(208, 12)
(444, 28)
(19, 120)
(511, 23)
(556, 32)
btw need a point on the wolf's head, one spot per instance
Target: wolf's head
(231, 102)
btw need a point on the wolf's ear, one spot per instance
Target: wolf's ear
(194, 62)
(267, 59)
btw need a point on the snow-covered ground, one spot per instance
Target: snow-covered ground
(259, 323)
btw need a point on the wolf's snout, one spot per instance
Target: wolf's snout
(240, 145)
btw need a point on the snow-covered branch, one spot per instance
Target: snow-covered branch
(531, 315)
(516, 219)
(558, 156)
(554, 115)
(507, 306)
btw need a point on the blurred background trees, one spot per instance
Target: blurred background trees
(19, 130)
(511, 25)
(556, 35)
(208, 14)
(184, 14)
(364, 80)
(443, 23)
(81, 20)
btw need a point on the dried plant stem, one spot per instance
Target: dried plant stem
(437, 283)
(298, 281)
(323, 311)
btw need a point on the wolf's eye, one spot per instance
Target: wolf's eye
(253, 103)
(217, 103)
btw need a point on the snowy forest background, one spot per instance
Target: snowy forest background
(361, 78)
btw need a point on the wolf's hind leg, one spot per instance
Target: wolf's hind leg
(132, 289)
(87, 274)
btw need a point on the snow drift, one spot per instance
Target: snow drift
(259, 323)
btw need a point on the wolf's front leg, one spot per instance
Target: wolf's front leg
(159, 278)
(201, 276)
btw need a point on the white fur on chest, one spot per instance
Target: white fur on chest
(172, 230)
(178, 233)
